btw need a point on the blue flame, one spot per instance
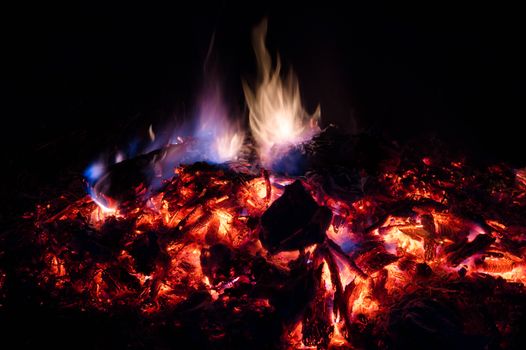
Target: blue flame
(94, 172)
(212, 137)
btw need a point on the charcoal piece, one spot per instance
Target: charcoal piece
(465, 250)
(196, 301)
(406, 264)
(428, 222)
(317, 325)
(113, 232)
(336, 148)
(429, 249)
(118, 277)
(336, 249)
(216, 262)
(462, 272)
(296, 293)
(294, 162)
(146, 252)
(375, 259)
(416, 233)
(423, 270)
(121, 182)
(88, 244)
(294, 221)
(425, 323)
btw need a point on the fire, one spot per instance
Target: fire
(204, 236)
(228, 145)
(215, 127)
(213, 136)
(276, 117)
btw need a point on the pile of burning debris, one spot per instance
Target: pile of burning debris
(418, 249)
(305, 239)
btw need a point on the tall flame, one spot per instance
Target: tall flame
(276, 117)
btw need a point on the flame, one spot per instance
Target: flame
(94, 171)
(326, 276)
(276, 115)
(227, 146)
(224, 136)
(212, 137)
(104, 208)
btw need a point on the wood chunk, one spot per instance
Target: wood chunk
(294, 221)
(375, 260)
(216, 262)
(466, 250)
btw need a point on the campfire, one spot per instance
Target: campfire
(285, 235)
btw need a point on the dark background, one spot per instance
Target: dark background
(80, 81)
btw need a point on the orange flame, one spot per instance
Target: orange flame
(276, 114)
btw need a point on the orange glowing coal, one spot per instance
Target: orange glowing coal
(201, 234)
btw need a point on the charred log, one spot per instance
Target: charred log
(294, 221)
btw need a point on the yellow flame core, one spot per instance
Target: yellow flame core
(276, 115)
(227, 146)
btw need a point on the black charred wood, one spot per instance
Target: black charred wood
(121, 181)
(296, 293)
(146, 252)
(466, 250)
(216, 262)
(429, 249)
(424, 323)
(294, 221)
(428, 223)
(375, 259)
(423, 270)
(317, 322)
(336, 249)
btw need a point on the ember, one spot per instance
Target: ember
(416, 251)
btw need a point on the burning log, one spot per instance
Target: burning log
(375, 259)
(317, 321)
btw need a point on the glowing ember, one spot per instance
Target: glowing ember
(201, 234)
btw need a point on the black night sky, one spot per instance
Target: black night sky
(76, 76)
(79, 81)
